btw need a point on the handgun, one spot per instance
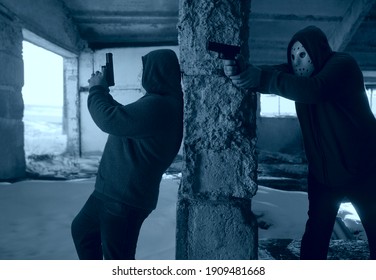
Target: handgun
(224, 51)
(109, 69)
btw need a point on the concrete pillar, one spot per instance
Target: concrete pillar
(12, 155)
(72, 106)
(214, 217)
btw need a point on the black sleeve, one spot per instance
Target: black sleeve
(140, 119)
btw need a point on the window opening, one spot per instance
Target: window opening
(43, 98)
(371, 94)
(275, 106)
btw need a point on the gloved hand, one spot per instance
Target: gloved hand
(248, 78)
(98, 79)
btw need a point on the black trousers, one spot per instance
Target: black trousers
(107, 230)
(324, 203)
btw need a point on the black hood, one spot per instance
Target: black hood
(316, 44)
(161, 73)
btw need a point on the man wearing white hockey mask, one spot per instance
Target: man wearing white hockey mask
(301, 61)
(338, 129)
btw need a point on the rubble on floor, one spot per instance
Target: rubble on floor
(282, 171)
(61, 167)
(64, 167)
(288, 249)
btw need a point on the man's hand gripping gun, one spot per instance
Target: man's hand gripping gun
(108, 69)
(226, 52)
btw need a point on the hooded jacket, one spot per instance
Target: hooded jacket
(144, 136)
(338, 126)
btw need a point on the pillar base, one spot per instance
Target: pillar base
(216, 230)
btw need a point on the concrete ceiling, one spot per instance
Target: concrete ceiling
(114, 23)
(349, 24)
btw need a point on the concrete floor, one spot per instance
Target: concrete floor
(35, 219)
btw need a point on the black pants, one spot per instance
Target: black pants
(324, 203)
(107, 230)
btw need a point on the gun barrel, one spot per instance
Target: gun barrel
(109, 70)
(225, 51)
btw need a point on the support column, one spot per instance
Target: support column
(214, 217)
(12, 154)
(72, 106)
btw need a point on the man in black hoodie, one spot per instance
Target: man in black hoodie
(144, 138)
(338, 128)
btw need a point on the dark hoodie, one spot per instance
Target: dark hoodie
(338, 127)
(144, 136)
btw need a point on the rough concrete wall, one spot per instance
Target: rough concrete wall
(48, 19)
(219, 177)
(12, 156)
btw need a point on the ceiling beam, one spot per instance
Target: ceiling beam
(350, 23)
(43, 43)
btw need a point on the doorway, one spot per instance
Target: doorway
(43, 94)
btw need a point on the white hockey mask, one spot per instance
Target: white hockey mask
(300, 60)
